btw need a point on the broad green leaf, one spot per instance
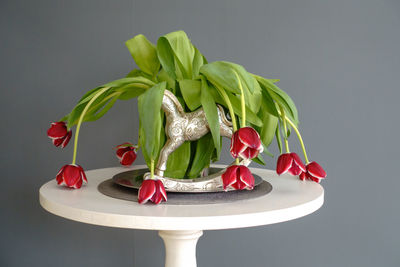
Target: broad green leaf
(164, 77)
(198, 61)
(202, 157)
(166, 57)
(139, 73)
(221, 75)
(280, 97)
(178, 161)
(267, 131)
(248, 82)
(176, 54)
(211, 111)
(105, 108)
(130, 91)
(144, 53)
(191, 92)
(149, 106)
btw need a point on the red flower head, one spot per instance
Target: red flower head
(238, 177)
(246, 143)
(71, 175)
(314, 172)
(126, 153)
(59, 133)
(153, 190)
(290, 162)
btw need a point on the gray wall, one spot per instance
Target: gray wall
(339, 60)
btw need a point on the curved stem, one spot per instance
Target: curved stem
(285, 129)
(300, 138)
(229, 104)
(243, 102)
(152, 168)
(78, 126)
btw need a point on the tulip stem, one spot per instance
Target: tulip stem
(299, 136)
(78, 126)
(152, 168)
(285, 129)
(243, 102)
(230, 108)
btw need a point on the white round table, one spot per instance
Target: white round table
(180, 226)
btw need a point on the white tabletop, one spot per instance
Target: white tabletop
(289, 199)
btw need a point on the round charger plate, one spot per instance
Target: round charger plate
(134, 178)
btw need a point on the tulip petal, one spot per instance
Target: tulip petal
(246, 177)
(284, 163)
(297, 160)
(316, 170)
(295, 170)
(229, 176)
(249, 137)
(128, 158)
(236, 146)
(71, 175)
(58, 141)
(302, 176)
(146, 191)
(162, 190)
(57, 130)
(66, 139)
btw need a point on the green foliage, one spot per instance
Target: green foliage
(175, 64)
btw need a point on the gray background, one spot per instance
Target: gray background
(339, 60)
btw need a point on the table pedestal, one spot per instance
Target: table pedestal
(180, 247)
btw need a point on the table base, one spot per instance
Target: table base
(180, 247)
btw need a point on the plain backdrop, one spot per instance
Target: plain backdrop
(339, 60)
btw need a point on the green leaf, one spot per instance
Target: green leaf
(198, 61)
(178, 161)
(144, 53)
(130, 91)
(267, 132)
(176, 54)
(149, 106)
(222, 75)
(191, 92)
(202, 157)
(164, 77)
(138, 73)
(211, 111)
(259, 159)
(280, 97)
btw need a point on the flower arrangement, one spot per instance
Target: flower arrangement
(259, 112)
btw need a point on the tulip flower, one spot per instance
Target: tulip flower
(290, 162)
(59, 133)
(239, 177)
(153, 190)
(313, 172)
(72, 176)
(246, 143)
(126, 153)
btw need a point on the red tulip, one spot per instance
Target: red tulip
(153, 190)
(290, 162)
(238, 177)
(246, 143)
(126, 153)
(71, 175)
(314, 172)
(59, 133)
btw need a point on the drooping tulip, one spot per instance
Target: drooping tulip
(238, 177)
(59, 133)
(152, 190)
(246, 143)
(290, 162)
(71, 175)
(126, 153)
(313, 172)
